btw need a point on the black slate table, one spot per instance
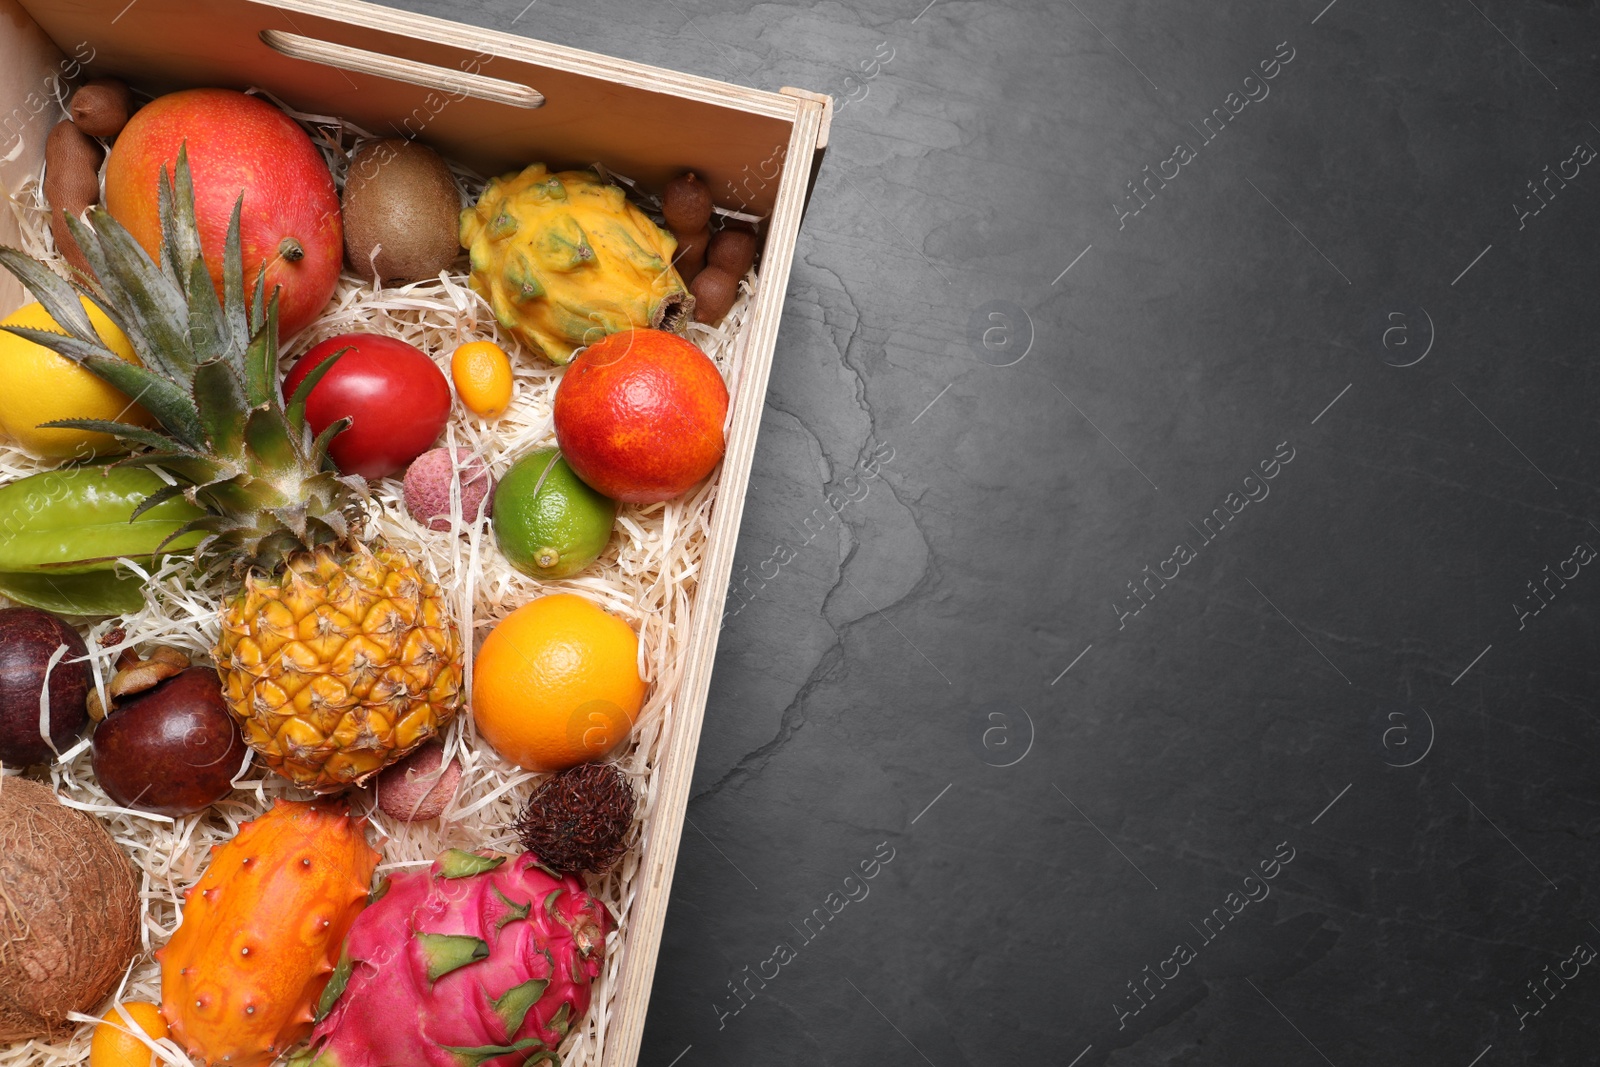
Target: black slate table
(1165, 623)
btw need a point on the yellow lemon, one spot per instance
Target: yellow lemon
(37, 385)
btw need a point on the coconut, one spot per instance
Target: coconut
(69, 912)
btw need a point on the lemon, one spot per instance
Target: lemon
(548, 523)
(37, 385)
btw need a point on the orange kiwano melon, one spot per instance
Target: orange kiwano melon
(261, 933)
(557, 683)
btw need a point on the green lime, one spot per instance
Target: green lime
(548, 522)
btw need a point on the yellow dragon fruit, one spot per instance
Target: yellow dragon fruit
(563, 260)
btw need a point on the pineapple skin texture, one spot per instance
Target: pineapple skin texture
(261, 933)
(341, 665)
(564, 259)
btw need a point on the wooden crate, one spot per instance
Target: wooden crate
(495, 102)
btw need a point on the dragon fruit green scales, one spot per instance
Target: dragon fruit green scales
(483, 961)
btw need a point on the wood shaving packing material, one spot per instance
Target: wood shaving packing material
(648, 576)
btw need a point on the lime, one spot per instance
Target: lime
(548, 522)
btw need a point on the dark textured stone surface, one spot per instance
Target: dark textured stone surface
(1301, 654)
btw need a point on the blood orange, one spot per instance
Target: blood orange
(639, 416)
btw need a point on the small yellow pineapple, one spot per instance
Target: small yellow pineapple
(337, 658)
(339, 662)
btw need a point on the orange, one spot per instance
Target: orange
(557, 683)
(114, 1046)
(482, 373)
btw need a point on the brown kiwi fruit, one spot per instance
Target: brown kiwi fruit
(686, 204)
(732, 250)
(691, 255)
(714, 292)
(101, 108)
(401, 199)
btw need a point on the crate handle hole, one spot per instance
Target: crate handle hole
(345, 57)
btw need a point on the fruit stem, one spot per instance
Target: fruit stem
(290, 249)
(674, 313)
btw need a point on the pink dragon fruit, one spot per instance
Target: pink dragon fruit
(483, 961)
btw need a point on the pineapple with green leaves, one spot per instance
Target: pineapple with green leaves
(337, 658)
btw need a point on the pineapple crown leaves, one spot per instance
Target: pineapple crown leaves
(209, 377)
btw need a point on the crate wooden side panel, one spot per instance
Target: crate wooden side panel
(641, 121)
(30, 66)
(648, 123)
(676, 769)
